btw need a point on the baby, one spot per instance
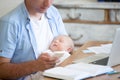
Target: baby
(61, 47)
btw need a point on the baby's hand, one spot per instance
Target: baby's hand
(51, 54)
(58, 54)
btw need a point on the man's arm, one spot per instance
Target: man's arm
(12, 71)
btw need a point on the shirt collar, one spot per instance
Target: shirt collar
(25, 11)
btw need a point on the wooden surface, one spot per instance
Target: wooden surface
(79, 54)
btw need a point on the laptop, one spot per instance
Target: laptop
(110, 59)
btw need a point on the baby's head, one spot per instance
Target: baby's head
(62, 43)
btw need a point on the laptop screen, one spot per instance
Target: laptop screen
(114, 58)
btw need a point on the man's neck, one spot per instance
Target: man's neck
(37, 16)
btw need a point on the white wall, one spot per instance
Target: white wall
(7, 5)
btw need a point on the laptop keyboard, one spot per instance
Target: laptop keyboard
(93, 58)
(103, 61)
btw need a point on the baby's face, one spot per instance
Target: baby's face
(59, 43)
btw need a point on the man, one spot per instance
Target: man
(24, 33)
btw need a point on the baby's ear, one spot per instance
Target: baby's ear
(69, 49)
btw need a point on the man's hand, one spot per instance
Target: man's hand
(12, 71)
